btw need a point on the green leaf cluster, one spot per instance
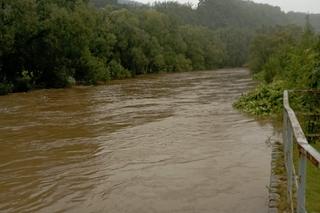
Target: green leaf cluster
(263, 101)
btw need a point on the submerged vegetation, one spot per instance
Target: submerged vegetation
(265, 100)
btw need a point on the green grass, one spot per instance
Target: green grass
(313, 188)
(313, 184)
(317, 145)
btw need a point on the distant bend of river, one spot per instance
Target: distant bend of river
(167, 143)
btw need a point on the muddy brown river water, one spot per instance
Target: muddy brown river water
(162, 143)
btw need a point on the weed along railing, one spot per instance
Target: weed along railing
(294, 136)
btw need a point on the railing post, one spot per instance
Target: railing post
(292, 132)
(290, 162)
(302, 183)
(285, 132)
(288, 150)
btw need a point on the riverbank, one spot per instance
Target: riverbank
(6, 88)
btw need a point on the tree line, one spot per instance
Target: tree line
(58, 43)
(289, 54)
(283, 58)
(224, 13)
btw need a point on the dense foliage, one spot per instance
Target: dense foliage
(265, 100)
(234, 13)
(299, 19)
(282, 58)
(57, 43)
(289, 54)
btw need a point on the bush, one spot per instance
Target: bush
(25, 82)
(265, 100)
(94, 69)
(117, 71)
(71, 81)
(314, 78)
(182, 64)
(57, 78)
(5, 88)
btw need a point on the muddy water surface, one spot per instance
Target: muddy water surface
(158, 143)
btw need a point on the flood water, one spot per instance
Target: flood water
(162, 143)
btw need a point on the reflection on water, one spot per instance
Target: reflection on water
(157, 143)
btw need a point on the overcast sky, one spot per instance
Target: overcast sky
(308, 6)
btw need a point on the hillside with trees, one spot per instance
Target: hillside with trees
(281, 58)
(300, 19)
(58, 43)
(226, 13)
(55, 43)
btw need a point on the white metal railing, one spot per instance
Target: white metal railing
(292, 130)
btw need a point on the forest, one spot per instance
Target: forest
(281, 58)
(60, 43)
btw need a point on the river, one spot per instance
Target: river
(162, 143)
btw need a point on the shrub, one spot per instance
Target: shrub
(25, 82)
(265, 100)
(5, 88)
(94, 69)
(117, 71)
